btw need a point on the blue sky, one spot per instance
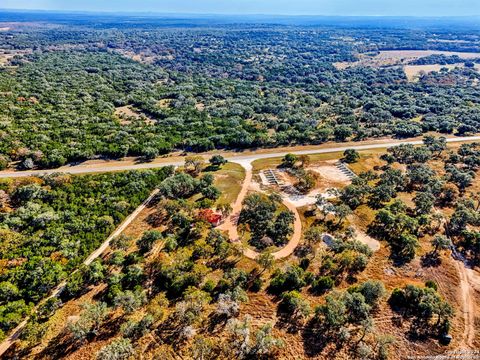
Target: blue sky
(286, 7)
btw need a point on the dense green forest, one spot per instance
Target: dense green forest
(198, 88)
(49, 225)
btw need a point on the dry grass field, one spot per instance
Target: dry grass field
(414, 71)
(7, 55)
(406, 55)
(400, 57)
(126, 114)
(229, 181)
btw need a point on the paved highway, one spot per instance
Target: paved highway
(233, 157)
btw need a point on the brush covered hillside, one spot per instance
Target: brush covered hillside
(78, 87)
(174, 286)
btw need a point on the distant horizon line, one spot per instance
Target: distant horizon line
(157, 13)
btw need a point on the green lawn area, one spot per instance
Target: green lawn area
(368, 160)
(262, 164)
(270, 163)
(229, 181)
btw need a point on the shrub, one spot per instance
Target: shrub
(119, 349)
(322, 284)
(351, 156)
(145, 243)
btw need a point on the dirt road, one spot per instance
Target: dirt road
(5, 344)
(469, 281)
(292, 244)
(230, 225)
(469, 284)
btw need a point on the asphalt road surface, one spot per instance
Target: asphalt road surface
(233, 157)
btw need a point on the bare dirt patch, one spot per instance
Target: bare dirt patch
(342, 65)
(330, 172)
(142, 57)
(127, 114)
(164, 103)
(200, 107)
(361, 236)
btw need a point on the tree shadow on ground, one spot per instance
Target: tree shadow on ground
(64, 344)
(315, 339)
(286, 322)
(431, 260)
(216, 323)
